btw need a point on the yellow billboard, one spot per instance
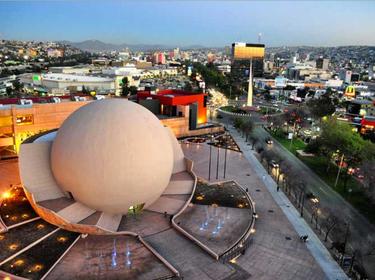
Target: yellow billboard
(245, 51)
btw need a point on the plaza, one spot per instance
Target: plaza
(214, 219)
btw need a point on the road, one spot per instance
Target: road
(361, 228)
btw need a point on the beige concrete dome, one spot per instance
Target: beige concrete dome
(112, 154)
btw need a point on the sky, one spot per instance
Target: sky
(183, 23)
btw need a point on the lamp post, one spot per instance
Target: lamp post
(209, 160)
(339, 171)
(217, 163)
(226, 151)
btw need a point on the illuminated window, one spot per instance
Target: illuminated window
(25, 119)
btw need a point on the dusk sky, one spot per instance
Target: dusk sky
(182, 23)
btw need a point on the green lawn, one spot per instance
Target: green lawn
(353, 191)
(233, 109)
(269, 111)
(297, 144)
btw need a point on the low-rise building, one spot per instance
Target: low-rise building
(73, 83)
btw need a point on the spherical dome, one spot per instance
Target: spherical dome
(112, 154)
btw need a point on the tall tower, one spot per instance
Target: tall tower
(246, 57)
(250, 87)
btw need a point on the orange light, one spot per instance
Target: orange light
(40, 226)
(62, 239)
(19, 262)
(13, 247)
(200, 197)
(37, 267)
(14, 218)
(6, 195)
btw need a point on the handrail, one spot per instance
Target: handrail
(243, 238)
(190, 164)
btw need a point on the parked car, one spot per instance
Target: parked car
(269, 141)
(274, 164)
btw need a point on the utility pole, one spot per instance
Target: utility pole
(338, 172)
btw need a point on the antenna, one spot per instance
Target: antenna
(259, 37)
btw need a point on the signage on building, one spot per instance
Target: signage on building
(280, 82)
(350, 92)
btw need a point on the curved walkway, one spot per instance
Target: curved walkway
(317, 249)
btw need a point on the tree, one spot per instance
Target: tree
(254, 140)
(368, 170)
(84, 90)
(237, 122)
(267, 96)
(188, 87)
(9, 91)
(17, 85)
(321, 107)
(329, 223)
(340, 141)
(296, 117)
(133, 90)
(313, 146)
(301, 199)
(247, 127)
(125, 86)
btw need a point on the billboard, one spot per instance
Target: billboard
(245, 51)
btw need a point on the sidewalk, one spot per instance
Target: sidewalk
(318, 250)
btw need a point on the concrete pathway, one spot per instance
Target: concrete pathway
(318, 250)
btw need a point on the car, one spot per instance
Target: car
(274, 164)
(269, 141)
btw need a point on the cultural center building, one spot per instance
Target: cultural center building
(185, 113)
(176, 103)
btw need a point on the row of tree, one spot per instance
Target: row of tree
(214, 78)
(327, 221)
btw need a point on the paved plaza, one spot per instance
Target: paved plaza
(109, 257)
(217, 227)
(276, 252)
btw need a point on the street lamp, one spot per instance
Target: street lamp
(217, 163)
(226, 151)
(209, 161)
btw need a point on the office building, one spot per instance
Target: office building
(247, 62)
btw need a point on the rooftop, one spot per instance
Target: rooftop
(73, 78)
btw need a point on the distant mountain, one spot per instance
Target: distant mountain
(99, 46)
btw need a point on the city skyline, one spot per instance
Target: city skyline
(189, 23)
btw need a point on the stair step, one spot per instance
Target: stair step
(36, 173)
(76, 212)
(109, 222)
(166, 204)
(180, 183)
